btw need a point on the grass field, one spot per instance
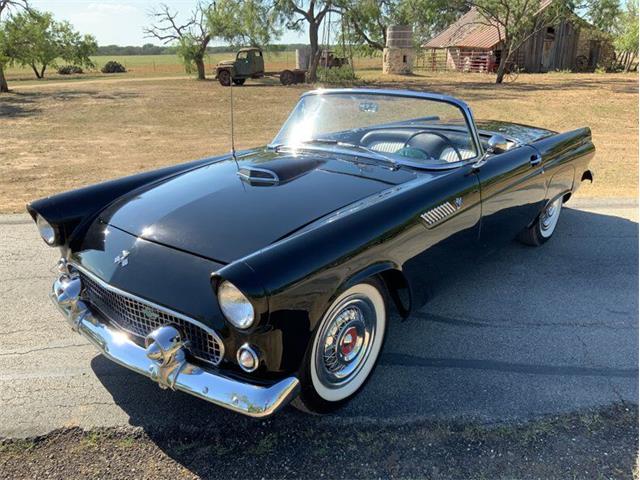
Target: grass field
(166, 65)
(58, 135)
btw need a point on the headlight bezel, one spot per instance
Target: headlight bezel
(235, 305)
(46, 230)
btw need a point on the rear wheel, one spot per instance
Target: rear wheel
(345, 348)
(224, 77)
(238, 81)
(286, 77)
(544, 226)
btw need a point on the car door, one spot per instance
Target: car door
(512, 188)
(445, 245)
(242, 63)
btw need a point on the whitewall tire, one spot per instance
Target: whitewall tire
(345, 347)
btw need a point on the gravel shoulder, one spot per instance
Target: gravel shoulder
(590, 444)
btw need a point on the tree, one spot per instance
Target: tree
(626, 41)
(35, 39)
(192, 37)
(369, 19)
(603, 14)
(5, 6)
(518, 20)
(249, 22)
(313, 13)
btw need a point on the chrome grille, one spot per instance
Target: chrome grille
(140, 318)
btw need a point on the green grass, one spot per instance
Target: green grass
(153, 65)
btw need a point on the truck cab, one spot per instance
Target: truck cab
(249, 63)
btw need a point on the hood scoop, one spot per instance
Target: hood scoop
(279, 171)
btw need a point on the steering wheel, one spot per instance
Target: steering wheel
(437, 134)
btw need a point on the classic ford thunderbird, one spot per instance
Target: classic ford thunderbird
(267, 276)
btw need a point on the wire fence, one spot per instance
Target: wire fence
(461, 60)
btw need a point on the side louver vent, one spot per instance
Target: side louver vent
(440, 212)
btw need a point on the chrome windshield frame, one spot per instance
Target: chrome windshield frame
(464, 108)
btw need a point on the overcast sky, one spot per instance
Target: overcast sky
(121, 22)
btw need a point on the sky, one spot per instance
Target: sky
(121, 22)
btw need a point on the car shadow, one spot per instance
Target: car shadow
(521, 333)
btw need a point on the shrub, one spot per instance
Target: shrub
(70, 70)
(337, 75)
(113, 67)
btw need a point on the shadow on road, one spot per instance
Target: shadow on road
(523, 332)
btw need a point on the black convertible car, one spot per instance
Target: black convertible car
(263, 276)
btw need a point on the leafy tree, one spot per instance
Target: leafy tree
(603, 14)
(235, 21)
(249, 22)
(192, 37)
(35, 39)
(626, 41)
(517, 21)
(5, 6)
(297, 13)
(368, 19)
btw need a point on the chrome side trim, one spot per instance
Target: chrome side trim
(168, 311)
(439, 213)
(165, 364)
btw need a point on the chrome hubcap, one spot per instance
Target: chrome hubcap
(549, 217)
(345, 341)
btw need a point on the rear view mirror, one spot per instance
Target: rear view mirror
(498, 144)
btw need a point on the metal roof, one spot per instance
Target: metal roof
(472, 30)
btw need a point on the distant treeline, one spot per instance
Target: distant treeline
(150, 49)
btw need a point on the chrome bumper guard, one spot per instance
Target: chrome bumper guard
(163, 360)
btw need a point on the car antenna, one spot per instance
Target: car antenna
(233, 144)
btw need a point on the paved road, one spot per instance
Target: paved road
(522, 333)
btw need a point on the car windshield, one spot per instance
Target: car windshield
(417, 131)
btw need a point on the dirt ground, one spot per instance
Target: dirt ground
(60, 135)
(598, 444)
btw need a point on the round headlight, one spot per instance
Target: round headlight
(235, 306)
(47, 232)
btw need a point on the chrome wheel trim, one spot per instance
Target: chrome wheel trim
(348, 342)
(549, 217)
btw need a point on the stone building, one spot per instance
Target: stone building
(472, 45)
(399, 54)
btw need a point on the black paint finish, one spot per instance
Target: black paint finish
(292, 246)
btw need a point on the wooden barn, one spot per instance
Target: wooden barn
(472, 45)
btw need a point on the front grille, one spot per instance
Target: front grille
(141, 318)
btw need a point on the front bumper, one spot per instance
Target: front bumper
(169, 368)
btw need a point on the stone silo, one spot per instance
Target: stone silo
(399, 54)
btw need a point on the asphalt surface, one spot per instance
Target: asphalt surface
(522, 333)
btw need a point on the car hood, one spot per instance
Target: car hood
(214, 213)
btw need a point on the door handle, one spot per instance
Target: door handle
(536, 160)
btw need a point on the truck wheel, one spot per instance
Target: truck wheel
(286, 77)
(224, 77)
(238, 81)
(345, 348)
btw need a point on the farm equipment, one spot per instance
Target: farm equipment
(329, 60)
(249, 63)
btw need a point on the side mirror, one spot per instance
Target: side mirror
(498, 144)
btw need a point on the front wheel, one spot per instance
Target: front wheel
(345, 348)
(224, 77)
(544, 226)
